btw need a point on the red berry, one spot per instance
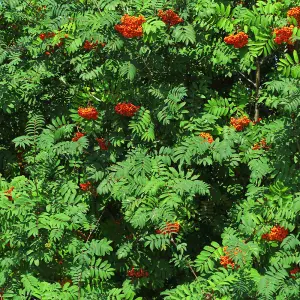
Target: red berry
(169, 17)
(131, 26)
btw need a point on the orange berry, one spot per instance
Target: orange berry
(88, 113)
(102, 143)
(131, 26)
(295, 13)
(283, 35)
(240, 123)
(169, 17)
(238, 40)
(277, 233)
(77, 136)
(85, 186)
(208, 137)
(126, 109)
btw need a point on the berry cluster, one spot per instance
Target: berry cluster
(208, 137)
(126, 109)
(47, 35)
(169, 228)
(169, 17)
(226, 261)
(240, 123)
(131, 26)
(103, 144)
(90, 46)
(295, 12)
(238, 40)
(294, 272)
(88, 113)
(261, 145)
(85, 186)
(137, 273)
(77, 136)
(283, 35)
(277, 233)
(8, 192)
(58, 45)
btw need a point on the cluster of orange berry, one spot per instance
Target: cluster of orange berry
(294, 272)
(283, 35)
(226, 261)
(277, 233)
(103, 144)
(170, 228)
(261, 145)
(85, 186)
(90, 46)
(8, 192)
(169, 17)
(238, 40)
(137, 273)
(46, 35)
(295, 12)
(131, 26)
(208, 137)
(77, 136)
(88, 113)
(240, 123)
(126, 109)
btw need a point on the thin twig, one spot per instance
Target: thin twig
(188, 263)
(253, 83)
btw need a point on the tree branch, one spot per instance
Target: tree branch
(253, 83)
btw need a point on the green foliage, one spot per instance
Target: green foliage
(169, 202)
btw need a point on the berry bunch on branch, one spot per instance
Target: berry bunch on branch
(131, 26)
(8, 193)
(89, 113)
(77, 136)
(295, 13)
(47, 35)
(103, 144)
(137, 273)
(90, 45)
(208, 137)
(85, 186)
(283, 35)
(169, 17)
(261, 145)
(240, 123)
(277, 233)
(238, 40)
(169, 228)
(126, 109)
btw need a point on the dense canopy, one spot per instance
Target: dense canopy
(149, 149)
